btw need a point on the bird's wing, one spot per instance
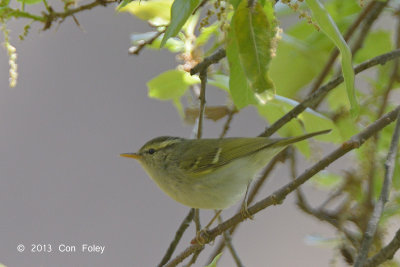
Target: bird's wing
(215, 153)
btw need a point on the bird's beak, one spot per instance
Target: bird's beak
(130, 155)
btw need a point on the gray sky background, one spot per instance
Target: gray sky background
(81, 100)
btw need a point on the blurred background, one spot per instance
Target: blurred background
(80, 101)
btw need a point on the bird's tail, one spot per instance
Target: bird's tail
(291, 140)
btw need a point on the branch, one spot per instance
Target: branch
(371, 18)
(186, 253)
(383, 198)
(325, 89)
(178, 235)
(53, 16)
(386, 253)
(135, 50)
(214, 58)
(228, 123)
(203, 79)
(22, 14)
(228, 243)
(394, 76)
(194, 257)
(279, 195)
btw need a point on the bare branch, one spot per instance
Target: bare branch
(227, 123)
(228, 243)
(203, 79)
(194, 258)
(383, 198)
(186, 253)
(214, 58)
(135, 50)
(52, 16)
(178, 235)
(386, 253)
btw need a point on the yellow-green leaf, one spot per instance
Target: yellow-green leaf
(180, 12)
(30, 2)
(155, 11)
(240, 91)
(254, 32)
(328, 26)
(170, 85)
(326, 180)
(214, 261)
(309, 120)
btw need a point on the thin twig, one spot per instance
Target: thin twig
(135, 50)
(228, 243)
(383, 198)
(72, 11)
(279, 195)
(178, 235)
(203, 79)
(197, 220)
(186, 253)
(214, 58)
(46, 5)
(199, 6)
(227, 124)
(325, 216)
(194, 257)
(385, 253)
(325, 89)
(374, 144)
(394, 75)
(370, 19)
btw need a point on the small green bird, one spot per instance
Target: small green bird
(209, 173)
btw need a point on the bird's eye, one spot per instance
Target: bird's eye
(151, 151)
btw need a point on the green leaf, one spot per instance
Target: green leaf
(220, 81)
(327, 180)
(4, 3)
(155, 11)
(214, 261)
(309, 120)
(341, 9)
(272, 111)
(235, 3)
(180, 12)
(239, 88)
(205, 34)
(30, 2)
(329, 27)
(174, 45)
(305, 60)
(171, 84)
(124, 3)
(376, 43)
(254, 32)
